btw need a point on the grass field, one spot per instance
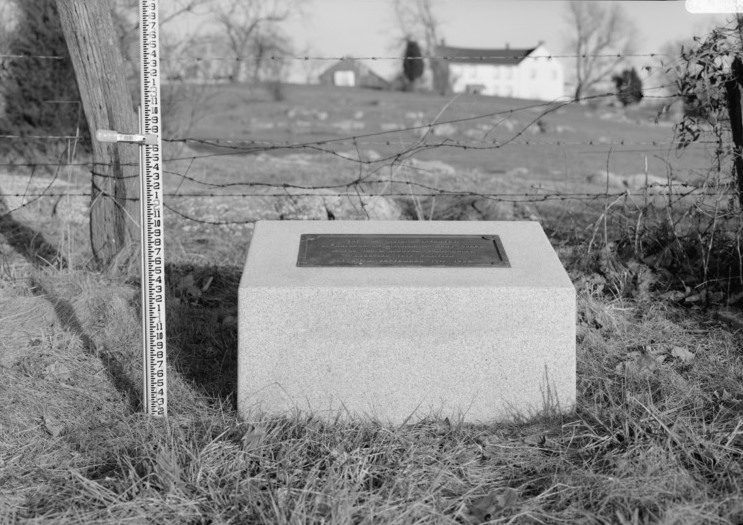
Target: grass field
(657, 435)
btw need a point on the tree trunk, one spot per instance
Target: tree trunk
(440, 73)
(237, 70)
(99, 68)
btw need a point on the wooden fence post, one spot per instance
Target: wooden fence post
(99, 67)
(734, 89)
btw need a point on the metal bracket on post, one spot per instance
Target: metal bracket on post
(107, 135)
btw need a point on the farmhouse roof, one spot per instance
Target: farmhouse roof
(467, 55)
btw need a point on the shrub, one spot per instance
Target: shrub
(412, 65)
(629, 87)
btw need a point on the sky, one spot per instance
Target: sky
(335, 28)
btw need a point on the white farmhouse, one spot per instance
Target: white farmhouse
(518, 73)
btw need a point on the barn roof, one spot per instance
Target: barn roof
(350, 64)
(467, 55)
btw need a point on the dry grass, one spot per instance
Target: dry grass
(656, 437)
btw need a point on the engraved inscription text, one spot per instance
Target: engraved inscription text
(398, 250)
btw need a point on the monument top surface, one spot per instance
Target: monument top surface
(402, 253)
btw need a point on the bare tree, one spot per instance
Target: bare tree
(602, 36)
(125, 16)
(250, 28)
(126, 13)
(310, 69)
(269, 41)
(417, 22)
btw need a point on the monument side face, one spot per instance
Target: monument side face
(478, 343)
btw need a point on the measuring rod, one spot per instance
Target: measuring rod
(151, 211)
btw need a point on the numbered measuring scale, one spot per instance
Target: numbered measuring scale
(151, 212)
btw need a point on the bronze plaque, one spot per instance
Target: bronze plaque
(374, 250)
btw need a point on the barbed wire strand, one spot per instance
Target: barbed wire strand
(524, 197)
(468, 57)
(539, 195)
(435, 192)
(399, 158)
(549, 107)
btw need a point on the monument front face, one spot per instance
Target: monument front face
(403, 320)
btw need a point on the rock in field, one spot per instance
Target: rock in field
(444, 130)
(322, 205)
(638, 181)
(349, 125)
(435, 167)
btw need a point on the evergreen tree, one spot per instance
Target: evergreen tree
(40, 95)
(412, 65)
(629, 87)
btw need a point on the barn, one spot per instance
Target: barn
(352, 73)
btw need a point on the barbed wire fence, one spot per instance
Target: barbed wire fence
(394, 168)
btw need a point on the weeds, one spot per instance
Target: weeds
(655, 437)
